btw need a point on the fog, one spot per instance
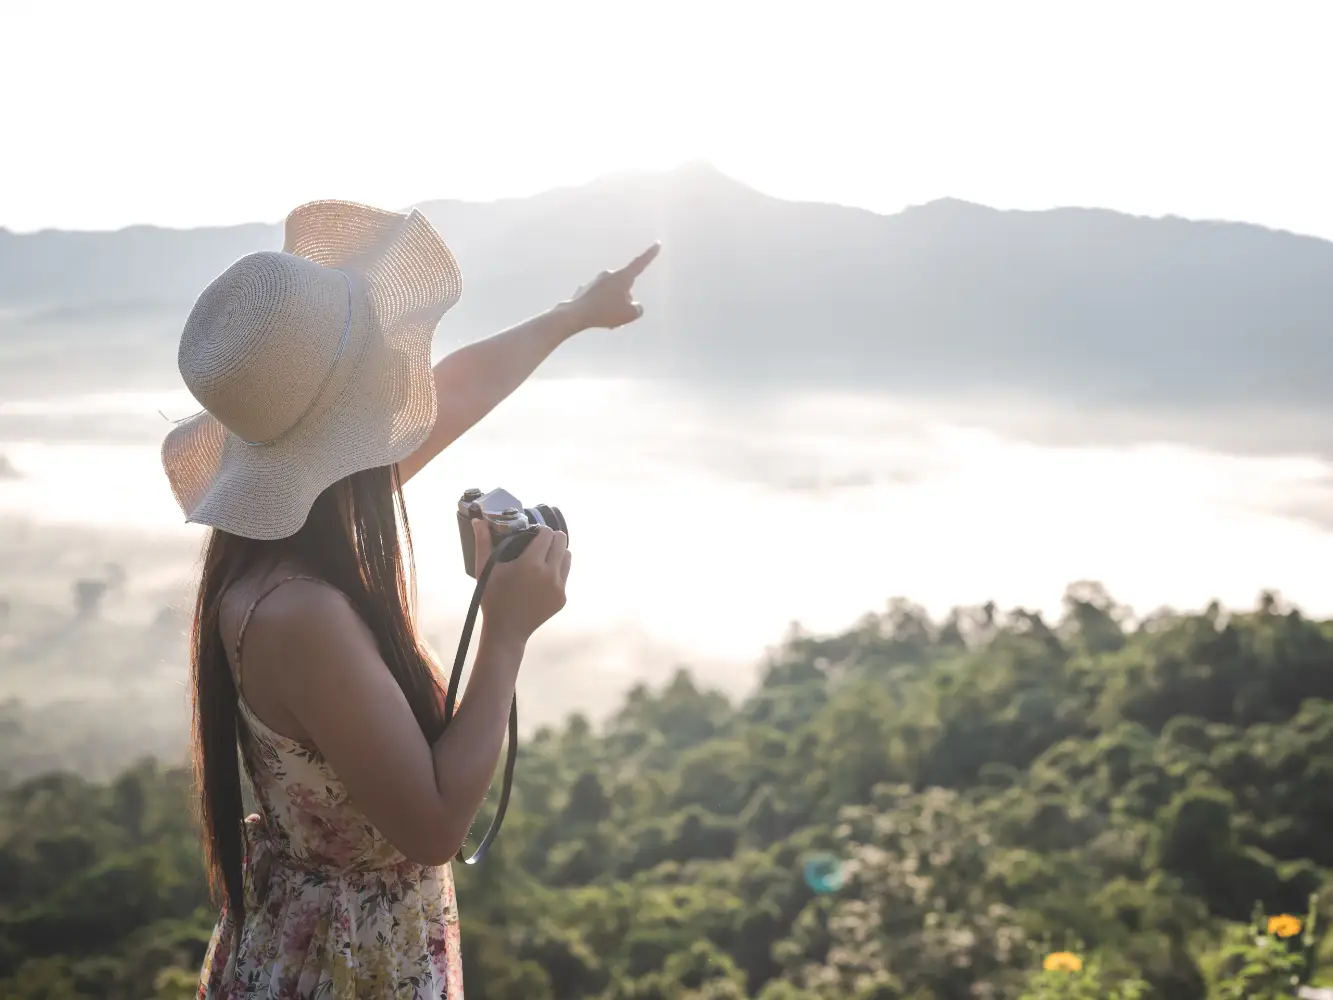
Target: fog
(703, 526)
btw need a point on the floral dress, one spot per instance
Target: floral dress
(333, 910)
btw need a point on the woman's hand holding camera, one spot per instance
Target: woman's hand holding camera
(524, 594)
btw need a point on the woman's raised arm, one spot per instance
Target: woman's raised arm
(472, 380)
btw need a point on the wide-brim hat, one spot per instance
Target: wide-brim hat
(311, 364)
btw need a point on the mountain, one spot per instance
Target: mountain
(1079, 307)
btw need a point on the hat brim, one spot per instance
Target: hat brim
(406, 279)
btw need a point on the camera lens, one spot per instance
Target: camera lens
(549, 516)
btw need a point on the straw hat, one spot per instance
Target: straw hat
(311, 364)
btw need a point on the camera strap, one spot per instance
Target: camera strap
(451, 696)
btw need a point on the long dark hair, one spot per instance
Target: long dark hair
(356, 538)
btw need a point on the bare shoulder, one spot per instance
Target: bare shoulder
(312, 666)
(301, 599)
(305, 615)
(320, 672)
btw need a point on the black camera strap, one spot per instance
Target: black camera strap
(451, 696)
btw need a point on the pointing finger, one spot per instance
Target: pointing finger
(640, 263)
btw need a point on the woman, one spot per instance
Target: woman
(313, 368)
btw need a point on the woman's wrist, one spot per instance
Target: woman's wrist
(567, 319)
(501, 646)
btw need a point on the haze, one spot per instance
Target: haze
(1200, 109)
(934, 315)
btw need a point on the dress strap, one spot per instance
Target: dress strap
(249, 612)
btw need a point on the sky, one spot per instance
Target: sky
(185, 114)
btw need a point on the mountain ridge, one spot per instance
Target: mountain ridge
(696, 168)
(1080, 307)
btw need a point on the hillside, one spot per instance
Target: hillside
(1082, 308)
(911, 810)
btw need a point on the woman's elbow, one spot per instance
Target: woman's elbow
(431, 857)
(432, 848)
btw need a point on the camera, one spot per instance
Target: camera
(506, 517)
(512, 527)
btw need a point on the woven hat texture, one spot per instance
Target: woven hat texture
(310, 364)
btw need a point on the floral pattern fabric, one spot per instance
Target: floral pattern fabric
(333, 910)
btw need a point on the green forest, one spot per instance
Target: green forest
(992, 806)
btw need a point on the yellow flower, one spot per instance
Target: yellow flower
(1284, 925)
(1062, 961)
